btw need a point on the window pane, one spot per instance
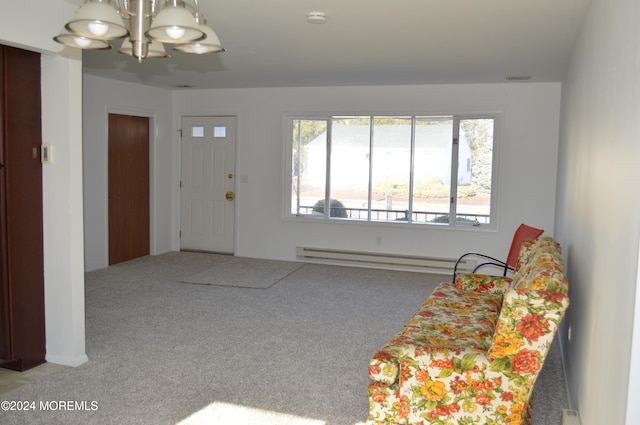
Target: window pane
(219, 131)
(391, 168)
(309, 166)
(350, 167)
(432, 169)
(197, 131)
(475, 164)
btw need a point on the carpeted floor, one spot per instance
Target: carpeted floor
(295, 353)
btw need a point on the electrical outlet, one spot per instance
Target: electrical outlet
(570, 417)
(378, 240)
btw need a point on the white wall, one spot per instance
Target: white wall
(101, 97)
(21, 27)
(598, 219)
(527, 177)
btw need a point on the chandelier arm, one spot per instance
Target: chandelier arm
(154, 7)
(125, 9)
(116, 5)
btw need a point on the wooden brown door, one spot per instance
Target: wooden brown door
(22, 325)
(129, 228)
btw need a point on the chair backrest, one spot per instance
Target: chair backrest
(522, 232)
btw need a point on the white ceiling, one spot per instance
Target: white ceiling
(365, 42)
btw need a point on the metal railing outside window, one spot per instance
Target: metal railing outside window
(396, 215)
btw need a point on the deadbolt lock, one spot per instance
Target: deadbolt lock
(230, 196)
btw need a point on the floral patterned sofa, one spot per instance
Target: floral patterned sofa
(472, 353)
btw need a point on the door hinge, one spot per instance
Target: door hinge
(455, 140)
(180, 131)
(179, 233)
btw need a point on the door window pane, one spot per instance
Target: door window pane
(197, 131)
(219, 131)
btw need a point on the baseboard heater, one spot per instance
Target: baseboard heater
(382, 260)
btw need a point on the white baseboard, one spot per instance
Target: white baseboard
(67, 361)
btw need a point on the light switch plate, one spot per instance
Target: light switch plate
(46, 154)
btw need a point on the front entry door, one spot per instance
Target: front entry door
(207, 187)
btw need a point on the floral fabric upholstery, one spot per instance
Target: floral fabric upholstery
(473, 351)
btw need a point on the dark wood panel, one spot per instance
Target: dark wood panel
(5, 334)
(22, 249)
(129, 234)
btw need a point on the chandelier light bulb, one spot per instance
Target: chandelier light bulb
(199, 49)
(175, 33)
(82, 41)
(98, 28)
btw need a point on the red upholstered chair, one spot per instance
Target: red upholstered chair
(522, 232)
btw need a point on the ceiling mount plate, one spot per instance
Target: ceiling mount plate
(317, 18)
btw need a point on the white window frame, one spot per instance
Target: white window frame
(453, 223)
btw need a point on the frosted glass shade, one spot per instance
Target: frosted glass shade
(174, 25)
(78, 41)
(99, 21)
(210, 44)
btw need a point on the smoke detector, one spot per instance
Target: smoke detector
(317, 18)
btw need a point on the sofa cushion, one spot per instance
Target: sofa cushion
(462, 325)
(450, 328)
(483, 298)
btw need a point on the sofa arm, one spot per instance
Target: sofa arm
(384, 366)
(527, 324)
(482, 283)
(437, 386)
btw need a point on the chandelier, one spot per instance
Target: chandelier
(99, 22)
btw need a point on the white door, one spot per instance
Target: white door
(207, 187)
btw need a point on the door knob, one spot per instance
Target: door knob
(230, 196)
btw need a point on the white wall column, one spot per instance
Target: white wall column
(63, 210)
